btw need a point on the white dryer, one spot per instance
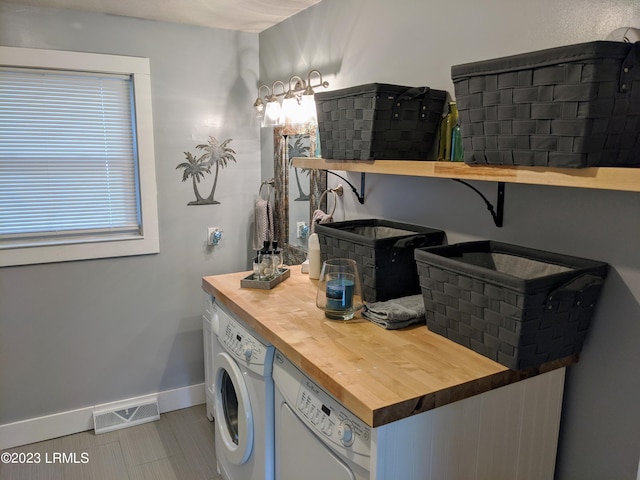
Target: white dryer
(243, 400)
(317, 438)
(208, 338)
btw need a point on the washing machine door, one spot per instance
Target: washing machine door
(234, 418)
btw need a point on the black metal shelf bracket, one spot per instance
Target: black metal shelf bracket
(359, 196)
(497, 213)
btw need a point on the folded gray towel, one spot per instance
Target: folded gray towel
(396, 313)
(396, 325)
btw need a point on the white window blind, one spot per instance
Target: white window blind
(68, 165)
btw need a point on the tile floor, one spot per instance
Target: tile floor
(179, 446)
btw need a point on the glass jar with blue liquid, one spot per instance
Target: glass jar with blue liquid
(339, 292)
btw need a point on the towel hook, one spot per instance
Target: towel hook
(337, 192)
(359, 196)
(268, 183)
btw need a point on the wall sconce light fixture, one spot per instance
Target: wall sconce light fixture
(298, 104)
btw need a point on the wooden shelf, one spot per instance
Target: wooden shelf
(604, 178)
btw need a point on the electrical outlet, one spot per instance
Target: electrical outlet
(210, 235)
(301, 230)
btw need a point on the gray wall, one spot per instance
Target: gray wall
(82, 333)
(415, 43)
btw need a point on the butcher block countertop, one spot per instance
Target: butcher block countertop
(380, 375)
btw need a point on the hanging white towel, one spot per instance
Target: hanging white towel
(320, 217)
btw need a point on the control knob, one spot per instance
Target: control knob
(345, 433)
(247, 351)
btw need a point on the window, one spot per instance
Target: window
(77, 175)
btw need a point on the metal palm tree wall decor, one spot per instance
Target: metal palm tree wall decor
(216, 155)
(298, 149)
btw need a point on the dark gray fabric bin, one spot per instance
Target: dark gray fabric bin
(573, 106)
(382, 249)
(379, 121)
(518, 306)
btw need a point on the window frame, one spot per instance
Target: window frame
(139, 70)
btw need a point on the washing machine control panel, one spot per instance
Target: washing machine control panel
(334, 423)
(243, 346)
(239, 342)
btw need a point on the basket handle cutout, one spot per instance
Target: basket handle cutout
(631, 62)
(422, 93)
(581, 291)
(415, 241)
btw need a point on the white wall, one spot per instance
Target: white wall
(83, 333)
(415, 42)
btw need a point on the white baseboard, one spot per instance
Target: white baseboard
(80, 420)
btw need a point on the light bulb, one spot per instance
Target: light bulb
(290, 110)
(308, 109)
(272, 113)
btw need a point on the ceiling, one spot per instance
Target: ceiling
(244, 15)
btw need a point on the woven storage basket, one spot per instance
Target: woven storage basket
(518, 306)
(383, 250)
(573, 106)
(379, 121)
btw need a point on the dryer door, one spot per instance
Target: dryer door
(301, 454)
(234, 418)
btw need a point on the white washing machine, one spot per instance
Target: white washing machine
(317, 438)
(243, 400)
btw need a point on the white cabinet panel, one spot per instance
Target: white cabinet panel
(504, 434)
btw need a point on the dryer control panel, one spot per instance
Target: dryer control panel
(332, 420)
(333, 423)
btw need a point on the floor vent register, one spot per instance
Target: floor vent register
(114, 416)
